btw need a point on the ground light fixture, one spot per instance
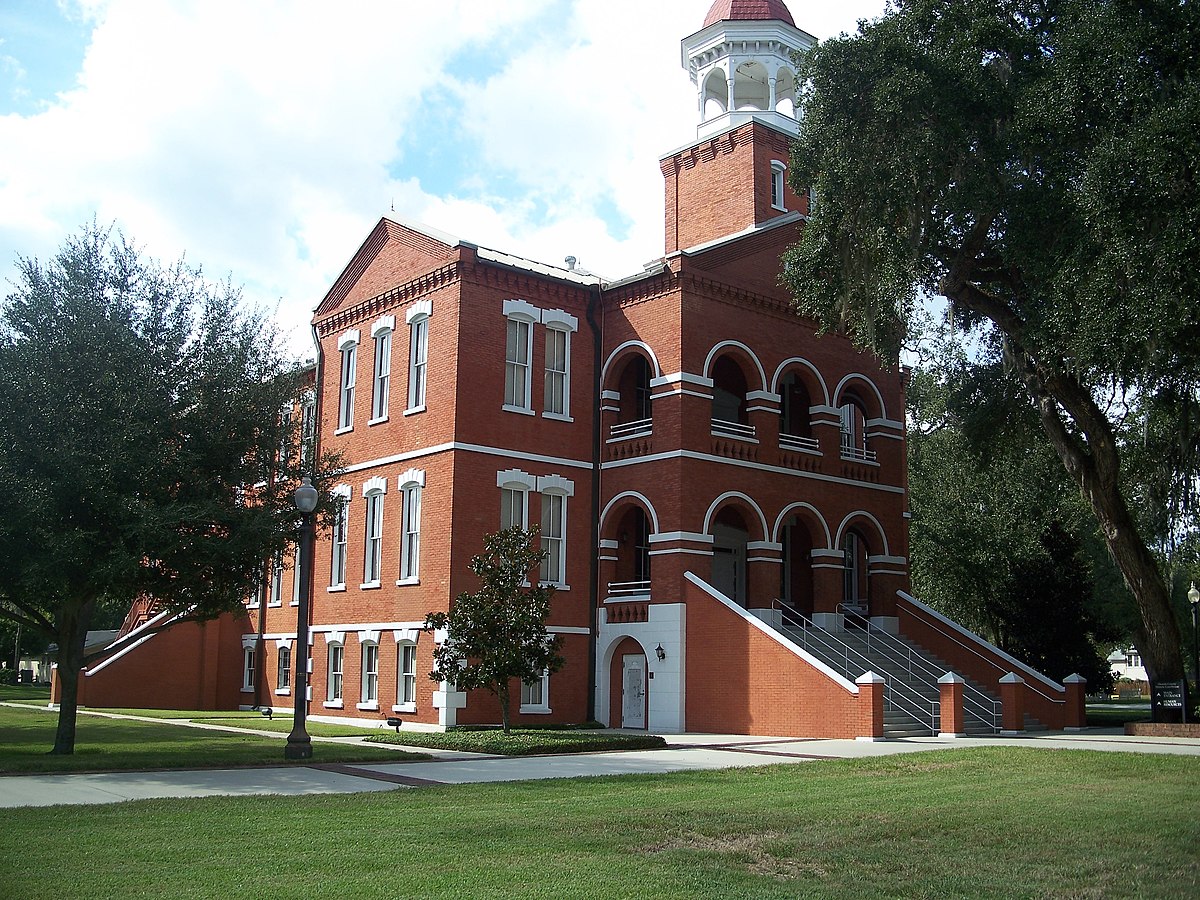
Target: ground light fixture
(299, 744)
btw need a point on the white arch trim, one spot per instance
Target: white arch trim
(762, 520)
(866, 515)
(712, 355)
(650, 506)
(617, 352)
(787, 511)
(778, 376)
(837, 392)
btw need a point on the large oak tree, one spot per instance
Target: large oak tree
(1035, 162)
(140, 445)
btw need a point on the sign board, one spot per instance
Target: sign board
(1169, 694)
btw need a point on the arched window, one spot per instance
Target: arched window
(729, 391)
(373, 493)
(854, 431)
(796, 403)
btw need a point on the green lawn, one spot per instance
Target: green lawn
(26, 736)
(991, 822)
(521, 741)
(23, 693)
(1107, 715)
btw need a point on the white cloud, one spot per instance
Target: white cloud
(265, 138)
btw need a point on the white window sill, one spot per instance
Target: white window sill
(405, 582)
(556, 586)
(523, 410)
(332, 704)
(277, 603)
(378, 421)
(344, 429)
(294, 603)
(368, 585)
(247, 690)
(413, 410)
(535, 710)
(335, 588)
(405, 707)
(283, 692)
(367, 707)
(251, 606)
(778, 207)
(558, 417)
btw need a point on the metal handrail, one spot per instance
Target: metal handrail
(985, 708)
(937, 626)
(858, 453)
(798, 442)
(640, 428)
(724, 428)
(830, 649)
(625, 590)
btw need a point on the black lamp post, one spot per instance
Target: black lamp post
(299, 744)
(1194, 599)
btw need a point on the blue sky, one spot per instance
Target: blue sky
(264, 138)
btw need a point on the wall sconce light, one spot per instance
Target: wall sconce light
(660, 652)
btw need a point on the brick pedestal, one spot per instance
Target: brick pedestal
(953, 724)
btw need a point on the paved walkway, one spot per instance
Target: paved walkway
(686, 752)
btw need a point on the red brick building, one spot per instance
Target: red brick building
(721, 492)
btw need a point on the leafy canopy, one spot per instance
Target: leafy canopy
(1035, 162)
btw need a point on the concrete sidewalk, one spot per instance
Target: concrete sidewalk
(686, 752)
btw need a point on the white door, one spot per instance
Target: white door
(633, 691)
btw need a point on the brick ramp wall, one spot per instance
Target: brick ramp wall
(743, 679)
(979, 660)
(187, 666)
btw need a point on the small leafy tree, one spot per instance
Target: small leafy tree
(499, 632)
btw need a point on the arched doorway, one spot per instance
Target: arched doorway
(730, 536)
(855, 580)
(628, 685)
(796, 582)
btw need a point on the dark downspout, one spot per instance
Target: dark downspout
(594, 590)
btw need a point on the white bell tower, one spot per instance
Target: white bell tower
(741, 62)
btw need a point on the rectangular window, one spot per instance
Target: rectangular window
(346, 408)
(410, 539)
(333, 691)
(260, 592)
(516, 364)
(535, 695)
(277, 580)
(337, 569)
(418, 349)
(370, 673)
(383, 371)
(283, 679)
(512, 508)
(285, 436)
(248, 655)
(553, 538)
(557, 344)
(373, 559)
(407, 686)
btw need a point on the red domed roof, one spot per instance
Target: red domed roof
(724, 10)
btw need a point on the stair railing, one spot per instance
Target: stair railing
(976, 702)
(836, 653)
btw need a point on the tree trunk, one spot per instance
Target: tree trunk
(1090, 454)
(502, 694)
(72, 633)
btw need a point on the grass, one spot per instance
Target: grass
(988, 822)
(26, 736)
(24, 693)
(521, 741)
(1104, 715)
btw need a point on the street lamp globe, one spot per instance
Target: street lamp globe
(306, 496)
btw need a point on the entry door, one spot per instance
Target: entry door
(633, 691)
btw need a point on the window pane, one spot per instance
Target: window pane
(383, 369)
(349, 362)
